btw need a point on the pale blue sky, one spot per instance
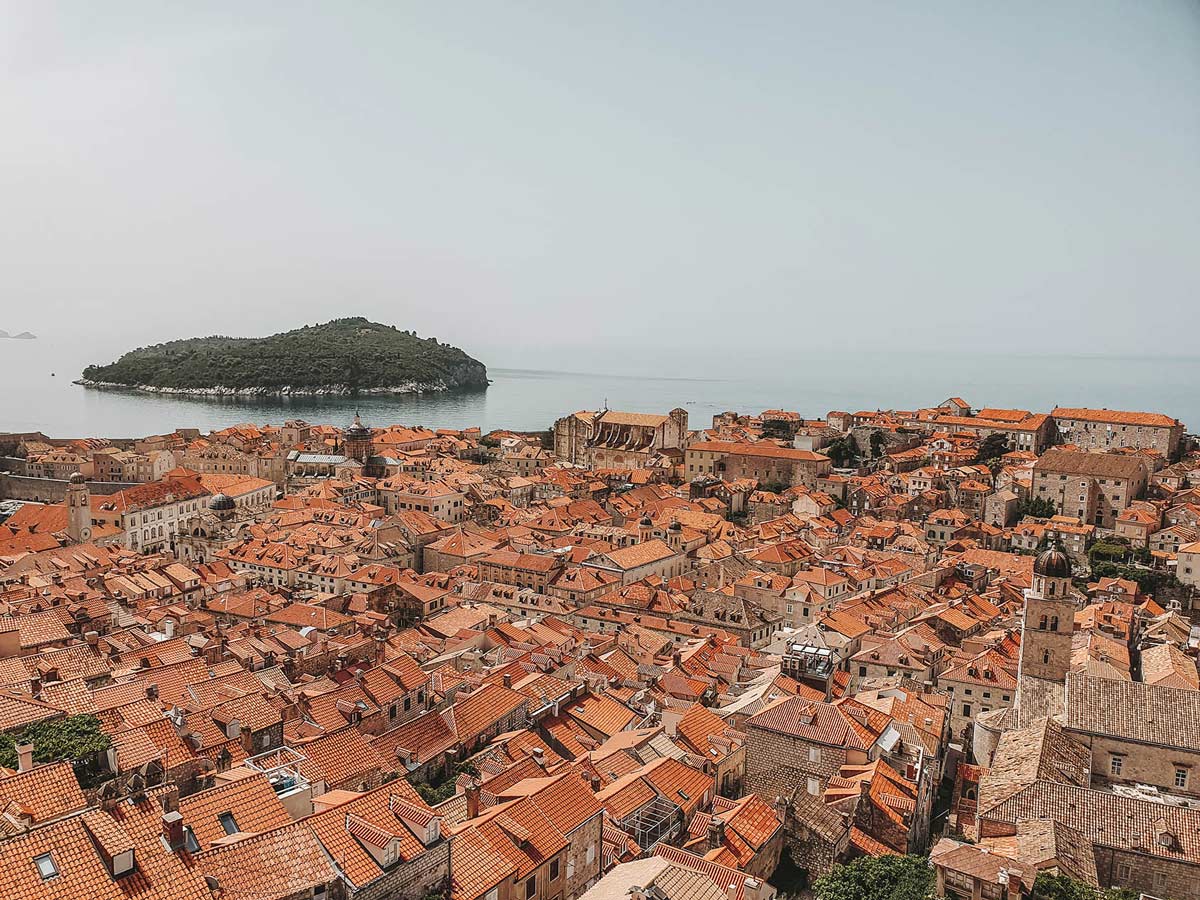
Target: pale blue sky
(594, 185)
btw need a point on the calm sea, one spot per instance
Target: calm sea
(36, 393)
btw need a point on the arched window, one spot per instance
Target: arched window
(1042, 624)
(1050, 591)
(1054, 623)
(1045, 656)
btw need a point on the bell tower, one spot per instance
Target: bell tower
(79, 509)
(1049, 619)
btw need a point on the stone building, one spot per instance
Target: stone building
(764, 462)
(151, 515)
(609, 439)
(1137, 733)
(1022, 429)
(1110, 429)
(813, 740)
(1092, 488)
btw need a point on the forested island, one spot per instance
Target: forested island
(343, 357)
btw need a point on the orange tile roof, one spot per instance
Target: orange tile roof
(280, 863)
(44, 792)
(343, 755)
(393, 809)
(72, 845)
(601, 713)
(251, 800)
(1116, 417)
(475, 713)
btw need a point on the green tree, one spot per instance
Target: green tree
(887, 877)
(434, 794)
(1064, 887)
(1039, 507)
(991, 448)
(842, 452)
(778, 429)
(772, 487)
(877, 442)
(77, 740)
(1107, 552)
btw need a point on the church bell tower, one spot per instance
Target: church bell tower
(1049, 619)
(79, 509)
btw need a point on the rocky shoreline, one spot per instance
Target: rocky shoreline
(332, 390)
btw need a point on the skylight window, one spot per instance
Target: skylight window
(46, 866)
(228, 823)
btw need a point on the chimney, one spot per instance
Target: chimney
(781, 808)
(716, 833)
(151, 691)
(595, 784)
(539, 756)
(507, 679)
(24, 757)
(472, 793)
(172, 831)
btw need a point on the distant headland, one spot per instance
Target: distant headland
(345, 357)
(23, 336)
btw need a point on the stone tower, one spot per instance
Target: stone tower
(79, 509)
(1049, 619)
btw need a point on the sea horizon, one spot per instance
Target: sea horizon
(41, 395)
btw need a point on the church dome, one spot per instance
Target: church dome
(77, 478)
(1052, 563)
(358, 431)
(221, 503)
(646, 522)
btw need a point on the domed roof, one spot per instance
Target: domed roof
(221, 503)
(358, 430)
(1052, 563)
(77, 478)
(646, 522)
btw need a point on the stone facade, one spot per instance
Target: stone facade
(764, 462)
(1104, 429)
(618, 440)
(1092, 488)
(812, 763)
(428, 874)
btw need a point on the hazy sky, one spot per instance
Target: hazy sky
(598, 185)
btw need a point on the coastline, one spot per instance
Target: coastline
(333, 390)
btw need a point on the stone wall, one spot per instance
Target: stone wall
(1143, 763)
(578, 872)
(1147, 874)
(51, 490)
(768, 751)
(426, 874)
